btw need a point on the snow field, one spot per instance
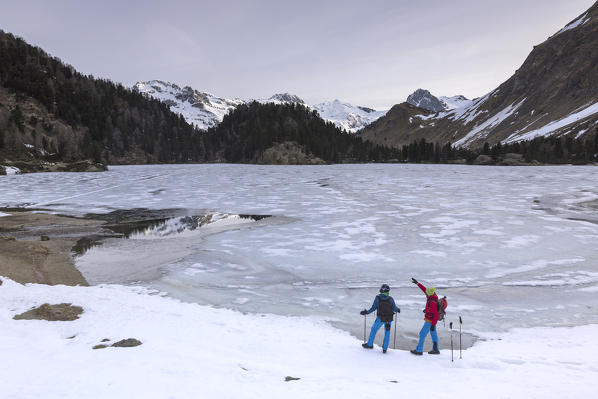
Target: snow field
(192, 351)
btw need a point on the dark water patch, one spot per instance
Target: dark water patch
(126, 229)
(124, 223)
(593, 221)
(255, 218)
(86, 243)
(21, 208)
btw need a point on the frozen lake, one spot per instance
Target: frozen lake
(509, 246)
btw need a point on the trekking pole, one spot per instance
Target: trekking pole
(460, 324)
(394, 341)
(451, 327)
(364, 317)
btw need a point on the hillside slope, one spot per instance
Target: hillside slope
(252, 129)
(53, 108)
(554, 93)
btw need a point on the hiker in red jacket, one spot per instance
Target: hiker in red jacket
(430, 320)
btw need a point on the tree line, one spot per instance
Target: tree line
(113, 124)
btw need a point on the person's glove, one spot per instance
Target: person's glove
(414, 281)
(398, 310)
(363, 312)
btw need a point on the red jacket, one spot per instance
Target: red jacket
(431, 307)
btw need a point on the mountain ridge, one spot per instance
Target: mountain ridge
(553, 93)
(206, 110)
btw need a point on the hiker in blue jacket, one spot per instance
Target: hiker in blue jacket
(385, 310)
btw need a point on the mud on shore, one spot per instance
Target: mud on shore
(37, 247)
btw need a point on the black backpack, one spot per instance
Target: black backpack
(386, 311)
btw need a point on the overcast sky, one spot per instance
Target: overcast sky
(372, 53)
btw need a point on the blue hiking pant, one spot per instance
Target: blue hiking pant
(424, 333)
(375, 327)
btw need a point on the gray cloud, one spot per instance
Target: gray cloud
(370, 53)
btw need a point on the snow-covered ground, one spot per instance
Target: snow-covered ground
(192, 351)
(11, 170)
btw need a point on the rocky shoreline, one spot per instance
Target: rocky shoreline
(36, 166)
(37, 247)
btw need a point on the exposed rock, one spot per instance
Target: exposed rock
(289, 378)
(286, 98)
(105, 340)
(288, 153)
(2, 170)
(35, 166)
(512, 159)
(514, 156)
(0, 282)
(100, 346)
(483, 160)
(60, 312)
(7, 238)
(84, 166)
(424, 99)
(45, 238)
(127, 343)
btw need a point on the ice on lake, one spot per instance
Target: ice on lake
(509, 246)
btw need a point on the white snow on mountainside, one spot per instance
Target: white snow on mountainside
(206, 110)
(201, 109)
(572, 25)
(455, 102)
(347, 116)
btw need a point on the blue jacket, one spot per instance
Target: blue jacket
(383, 298)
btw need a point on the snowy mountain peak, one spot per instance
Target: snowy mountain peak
(206, 110)
(347, 116)
(424, 99)
(286, 98)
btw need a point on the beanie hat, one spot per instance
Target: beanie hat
(430, 291)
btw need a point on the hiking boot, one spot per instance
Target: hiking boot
(383, 350)
(366, 346)
(434, 350)
(415, 352)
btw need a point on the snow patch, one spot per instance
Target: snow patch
(11, 170)
(555, 125)
(578, 22)
(482, 130)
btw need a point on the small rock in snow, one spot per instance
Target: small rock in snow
(60, 312)
(100, 346)
(127, 343)
(289, 378)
